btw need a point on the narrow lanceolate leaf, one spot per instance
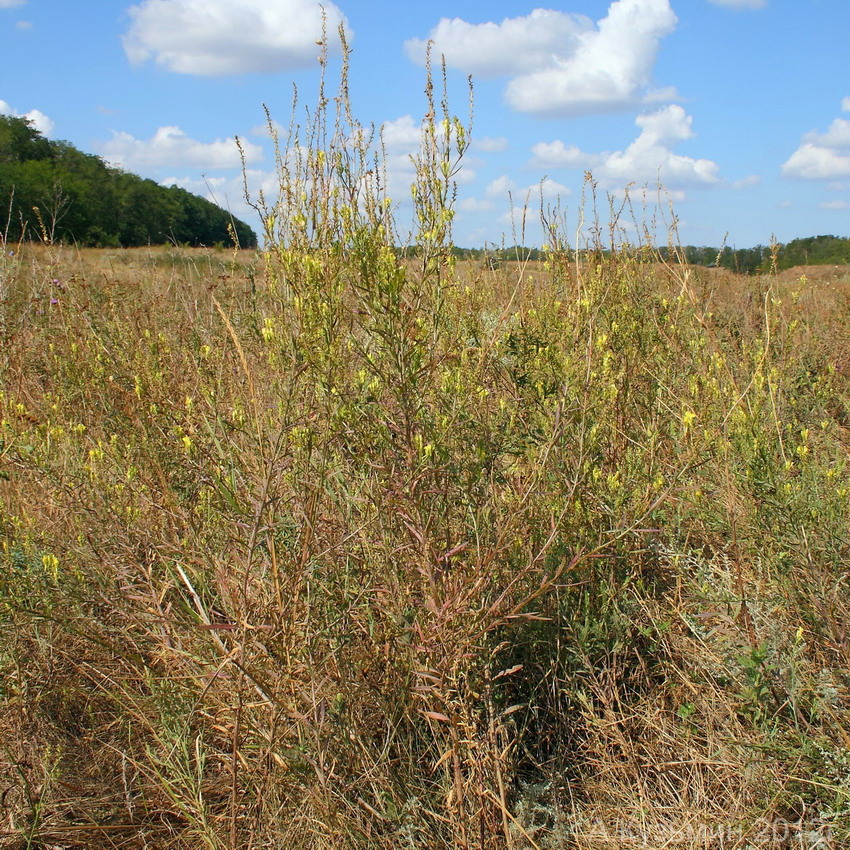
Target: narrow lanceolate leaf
(508, 671)
(453, 551)
(436, 715)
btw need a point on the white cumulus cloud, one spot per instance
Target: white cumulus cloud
(822, 156)
(40, 121)
(504, 188)
(650, 156)
(515, 46)
(401, 135)
(37, 118)
(171, 147)
(834, 205)
(401, 139)
(610, 70)
(10, 4)
(837, 136)
(549, 189)
(558, 155)
(560, 63)
(647, 159)
(228, 191)
(220, 37)
(814, 162)
(500, 187)
(474, 205)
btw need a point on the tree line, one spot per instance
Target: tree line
(51, 191)
(809, 251)
(812, 250)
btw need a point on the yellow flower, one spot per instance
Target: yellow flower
(51, 564)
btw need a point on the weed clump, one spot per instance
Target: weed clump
(345, 545)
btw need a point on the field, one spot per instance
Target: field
(334, 545)
(299, 551)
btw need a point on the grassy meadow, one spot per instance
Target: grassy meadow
(323, 547)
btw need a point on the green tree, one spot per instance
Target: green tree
(20, 141)
(50, 190)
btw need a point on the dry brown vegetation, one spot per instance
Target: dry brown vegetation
(270, 579)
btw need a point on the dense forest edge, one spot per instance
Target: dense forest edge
(51, 191)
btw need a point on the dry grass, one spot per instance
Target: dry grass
(254, 597)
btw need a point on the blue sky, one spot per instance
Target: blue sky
(740, 107)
